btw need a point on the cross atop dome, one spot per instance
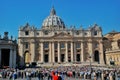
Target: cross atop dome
(52, 12)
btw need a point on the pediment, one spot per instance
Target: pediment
(62, 35)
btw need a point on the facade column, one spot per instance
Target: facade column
(74, 52)
(66, 54)
(82, 51)
(13, 58)
(101, 56)
(90, 45)
(53, 52)
(71, 51)
(14, 62)
(59, 52)
(0, 57)
(10, 58)
(42, 55)
(32, 51)
(50, 51)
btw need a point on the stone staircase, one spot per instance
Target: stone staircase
(68, 64)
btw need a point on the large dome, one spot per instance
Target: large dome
(53, 21)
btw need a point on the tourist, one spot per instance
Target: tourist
(40, 75)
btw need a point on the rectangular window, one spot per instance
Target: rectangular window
(46, 32)
(68, 32)
(77, 33)
(96, 45)
(85, 33)
(69, 46)
(26, 32)
(62, 45)
(95, 33)
(37, 33)
(46, 45)
(77, 45)
(55, 46)
(26, 45)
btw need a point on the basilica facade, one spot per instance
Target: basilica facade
(54, 42)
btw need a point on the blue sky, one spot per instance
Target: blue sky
(14, 13)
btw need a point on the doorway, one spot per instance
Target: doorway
(78, 57)
(46, 58)
(5, 56)
(96, 56)
(62, 57)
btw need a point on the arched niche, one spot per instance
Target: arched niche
(27, 57)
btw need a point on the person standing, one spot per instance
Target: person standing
(49, 76)
(59, 76)
(14, 75)
(111, 75)
(54, 76)
(40, 75)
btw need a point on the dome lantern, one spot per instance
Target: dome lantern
(53, 12)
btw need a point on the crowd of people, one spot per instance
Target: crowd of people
(61, 72)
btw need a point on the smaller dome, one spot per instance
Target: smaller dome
(53, 21)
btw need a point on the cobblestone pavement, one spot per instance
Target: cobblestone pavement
(66, 78)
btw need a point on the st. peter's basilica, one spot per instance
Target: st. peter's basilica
(55, 43)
